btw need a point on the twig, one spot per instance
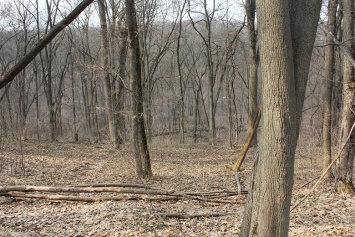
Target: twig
(328, 168)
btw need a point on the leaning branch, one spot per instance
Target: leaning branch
(17, 68)
(328, 168)
(243, 153)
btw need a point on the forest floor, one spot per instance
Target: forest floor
(184, 168)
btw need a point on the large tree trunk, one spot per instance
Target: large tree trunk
(287, 30)
(140, 144)
(344, 167)
(329, 68)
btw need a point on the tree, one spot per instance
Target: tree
(208, 18)
(106, 74)
(182, 82)
(253, 66)
(344, 166)
(286, 31)
(139, 139)
(329, 64)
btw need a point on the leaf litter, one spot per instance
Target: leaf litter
(186, 168)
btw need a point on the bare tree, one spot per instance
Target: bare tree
(106, 74)
(211, 66)
(286, 31)
(253, 66)
(329, 69)
(140, 143)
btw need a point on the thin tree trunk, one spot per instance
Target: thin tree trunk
(329, 68)
(181, 79)
(105, 74)
(140, 143)
(253, 66)
(344, 166)
(120, 117)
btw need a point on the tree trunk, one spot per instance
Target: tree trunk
(140, 144)
(287, 31)
(329, 68)
(344, 166)
(253, 67)
(106, 75)
(120, 117)
(181, 78)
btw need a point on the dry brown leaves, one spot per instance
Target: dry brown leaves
(199, 168)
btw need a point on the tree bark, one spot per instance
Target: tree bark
(140, 143)
(120, 118)
(104, 54)
(287, 31)
(16, 69)
(329, 69)
(253, 67)
(344, 166)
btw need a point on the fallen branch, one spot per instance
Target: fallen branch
(123, 185)
(29, 188)
(22, 191)
(55, 30)
(186, 216)
(85, 199)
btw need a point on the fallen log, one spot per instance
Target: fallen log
(186, 216)
(123, 185)
(58, 197)
(67, 197)
(29, 188)
(23, 192)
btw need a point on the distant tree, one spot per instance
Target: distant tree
(207, 38)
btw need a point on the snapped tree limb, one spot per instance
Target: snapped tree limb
(18, 67)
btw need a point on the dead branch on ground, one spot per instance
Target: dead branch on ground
(41, 192)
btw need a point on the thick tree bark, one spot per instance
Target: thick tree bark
(287, 31)
(140, 143)
(16, 69)
(344, 166)
(104, 54)
(329, 68)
